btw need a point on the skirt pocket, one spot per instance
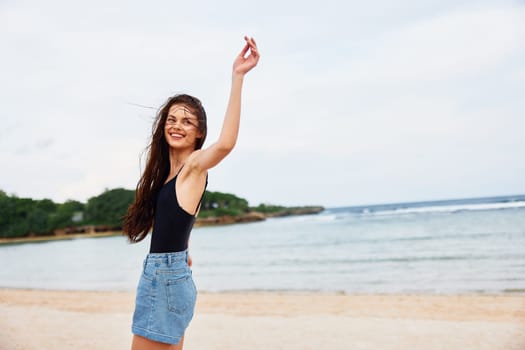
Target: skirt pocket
(181, 294)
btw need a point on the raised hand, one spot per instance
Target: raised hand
(242, 64)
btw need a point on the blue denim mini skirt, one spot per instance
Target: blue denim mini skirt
(166, 296)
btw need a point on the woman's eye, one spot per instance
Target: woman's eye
(186, 122)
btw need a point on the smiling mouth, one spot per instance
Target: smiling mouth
(175, 135)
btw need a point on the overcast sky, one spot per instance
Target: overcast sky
(351, 103)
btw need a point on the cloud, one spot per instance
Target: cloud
(384, 105)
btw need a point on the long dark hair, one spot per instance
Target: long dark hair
(139, 219)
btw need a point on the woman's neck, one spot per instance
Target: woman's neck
(177, 160)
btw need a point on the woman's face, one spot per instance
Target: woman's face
(182, 127)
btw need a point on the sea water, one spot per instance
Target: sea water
(459, 246)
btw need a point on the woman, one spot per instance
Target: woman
(167, 199)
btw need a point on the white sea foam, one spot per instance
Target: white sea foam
(447, 208)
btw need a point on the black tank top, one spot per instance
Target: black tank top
(172, 224)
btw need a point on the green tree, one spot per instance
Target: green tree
(8, 213)
(64, 214)
(268, 208)
(109, 208)
(220, 204)
(37, 221)
(20, 216)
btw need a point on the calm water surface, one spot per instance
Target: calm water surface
(460, 247)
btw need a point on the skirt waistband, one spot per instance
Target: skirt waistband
(167, 258)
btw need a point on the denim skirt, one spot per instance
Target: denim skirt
(166, 297)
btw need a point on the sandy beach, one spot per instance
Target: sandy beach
(38, 319)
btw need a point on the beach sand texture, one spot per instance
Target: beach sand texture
(38, 319)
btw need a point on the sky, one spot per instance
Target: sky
(352, 102)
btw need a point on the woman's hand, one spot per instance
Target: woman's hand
(211, 156)
(243, 65)
(190, 262)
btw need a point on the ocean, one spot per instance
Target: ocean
(437, 247)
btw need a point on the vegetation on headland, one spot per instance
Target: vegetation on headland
(26, 217)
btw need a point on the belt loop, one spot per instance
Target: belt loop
(169, 260)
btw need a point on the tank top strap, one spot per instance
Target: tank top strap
(202, 196)
(178, 172)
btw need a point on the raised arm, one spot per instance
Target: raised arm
(211, 156)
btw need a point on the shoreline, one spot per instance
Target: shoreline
(250, 217)
(260, 320)
(519, 293)
(62, 237)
